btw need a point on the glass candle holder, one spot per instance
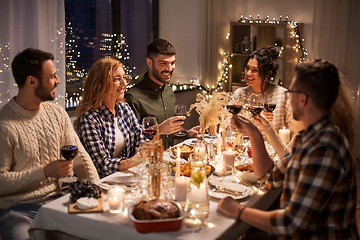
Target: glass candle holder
(116, 199)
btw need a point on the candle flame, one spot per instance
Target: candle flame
(178, 152)
(284, 127)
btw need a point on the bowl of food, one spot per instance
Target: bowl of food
(185, 170)
(156, 216)
(185, 151)
(245, 172)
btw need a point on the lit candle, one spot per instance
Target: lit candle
(219, 165)
(284, 134)
(181, 188)
(116, 199)
(228, 159)
(177, 174)
(198, 195)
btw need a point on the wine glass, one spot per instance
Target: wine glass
(235, 105)
(269, 104)
(69, 152)
(256, 104)
(150, 127)
(180, 110)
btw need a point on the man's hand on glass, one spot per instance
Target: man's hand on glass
(171, 125)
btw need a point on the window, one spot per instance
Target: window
(94, 27)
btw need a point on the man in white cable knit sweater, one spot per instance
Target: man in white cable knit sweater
(32, 130)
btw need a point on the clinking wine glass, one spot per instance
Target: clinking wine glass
(180, 110)
(269, 104)
(235, 105)
(150, 127)
(256, 104)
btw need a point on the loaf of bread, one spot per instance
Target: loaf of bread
(155, 209)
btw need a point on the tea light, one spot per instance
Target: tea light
(181, 188)
(229, 159)
(284, 134)
(177, 174)
(116, 199)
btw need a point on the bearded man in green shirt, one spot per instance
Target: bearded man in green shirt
(153, 96)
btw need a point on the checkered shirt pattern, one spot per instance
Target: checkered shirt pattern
(97, 134)
(319, 186)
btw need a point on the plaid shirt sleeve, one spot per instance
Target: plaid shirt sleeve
(91, 128)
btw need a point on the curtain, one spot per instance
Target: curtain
(31, 23)
(336, 38)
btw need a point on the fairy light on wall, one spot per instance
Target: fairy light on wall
(226, 65)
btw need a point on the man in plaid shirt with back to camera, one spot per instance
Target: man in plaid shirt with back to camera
(318, 179)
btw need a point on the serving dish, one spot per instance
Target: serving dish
(158, 225)
(247, 176)
(188, 175)
(185, 151)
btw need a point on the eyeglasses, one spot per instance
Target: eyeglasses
(287, 93)
(125, 79)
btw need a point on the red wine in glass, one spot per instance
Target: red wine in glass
(149, 133)
(270, 107)
(69, 151)
(256, 110)
(234, 108)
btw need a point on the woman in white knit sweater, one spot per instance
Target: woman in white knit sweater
(259, 69)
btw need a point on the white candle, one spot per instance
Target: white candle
(219, 140)
(229, 159)
(219, 165)
(177, 174)
(116, 199)
(181, 188)
(284, 134)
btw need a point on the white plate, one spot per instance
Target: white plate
(226, 183)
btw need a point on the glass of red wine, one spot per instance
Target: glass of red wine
(256, 104)
(269, 104)
(69, 152)
(150, 127)
(180, 110)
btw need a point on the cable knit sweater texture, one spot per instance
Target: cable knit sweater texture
(29, 140)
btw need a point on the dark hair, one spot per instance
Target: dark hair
(29, 63)
(160, 46)
(319, 79)
(268, 61)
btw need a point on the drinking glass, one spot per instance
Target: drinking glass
(269, 104)
(180, 110)
(235, 105)
(150, 127)
(256, 104)
(69, 152)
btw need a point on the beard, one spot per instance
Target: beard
(44, 94)
(158, 75)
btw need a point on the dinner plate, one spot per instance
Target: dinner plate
(226, 183)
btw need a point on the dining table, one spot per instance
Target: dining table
(53, 220)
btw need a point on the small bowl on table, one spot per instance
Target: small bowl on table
(245, 172)
(185, 151)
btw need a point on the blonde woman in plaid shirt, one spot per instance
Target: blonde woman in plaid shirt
(106, 125)
(318, 200)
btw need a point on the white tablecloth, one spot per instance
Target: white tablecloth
(54, 222)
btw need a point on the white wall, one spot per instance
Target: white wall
(188, 25)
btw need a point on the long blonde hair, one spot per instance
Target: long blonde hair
(343, 112)
(97, 87)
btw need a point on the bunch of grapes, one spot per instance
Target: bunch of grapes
(87, 189)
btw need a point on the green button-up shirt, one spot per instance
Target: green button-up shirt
(147, 98)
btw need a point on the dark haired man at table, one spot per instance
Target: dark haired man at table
(318, 200)
(153, 96)
(32, 131)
